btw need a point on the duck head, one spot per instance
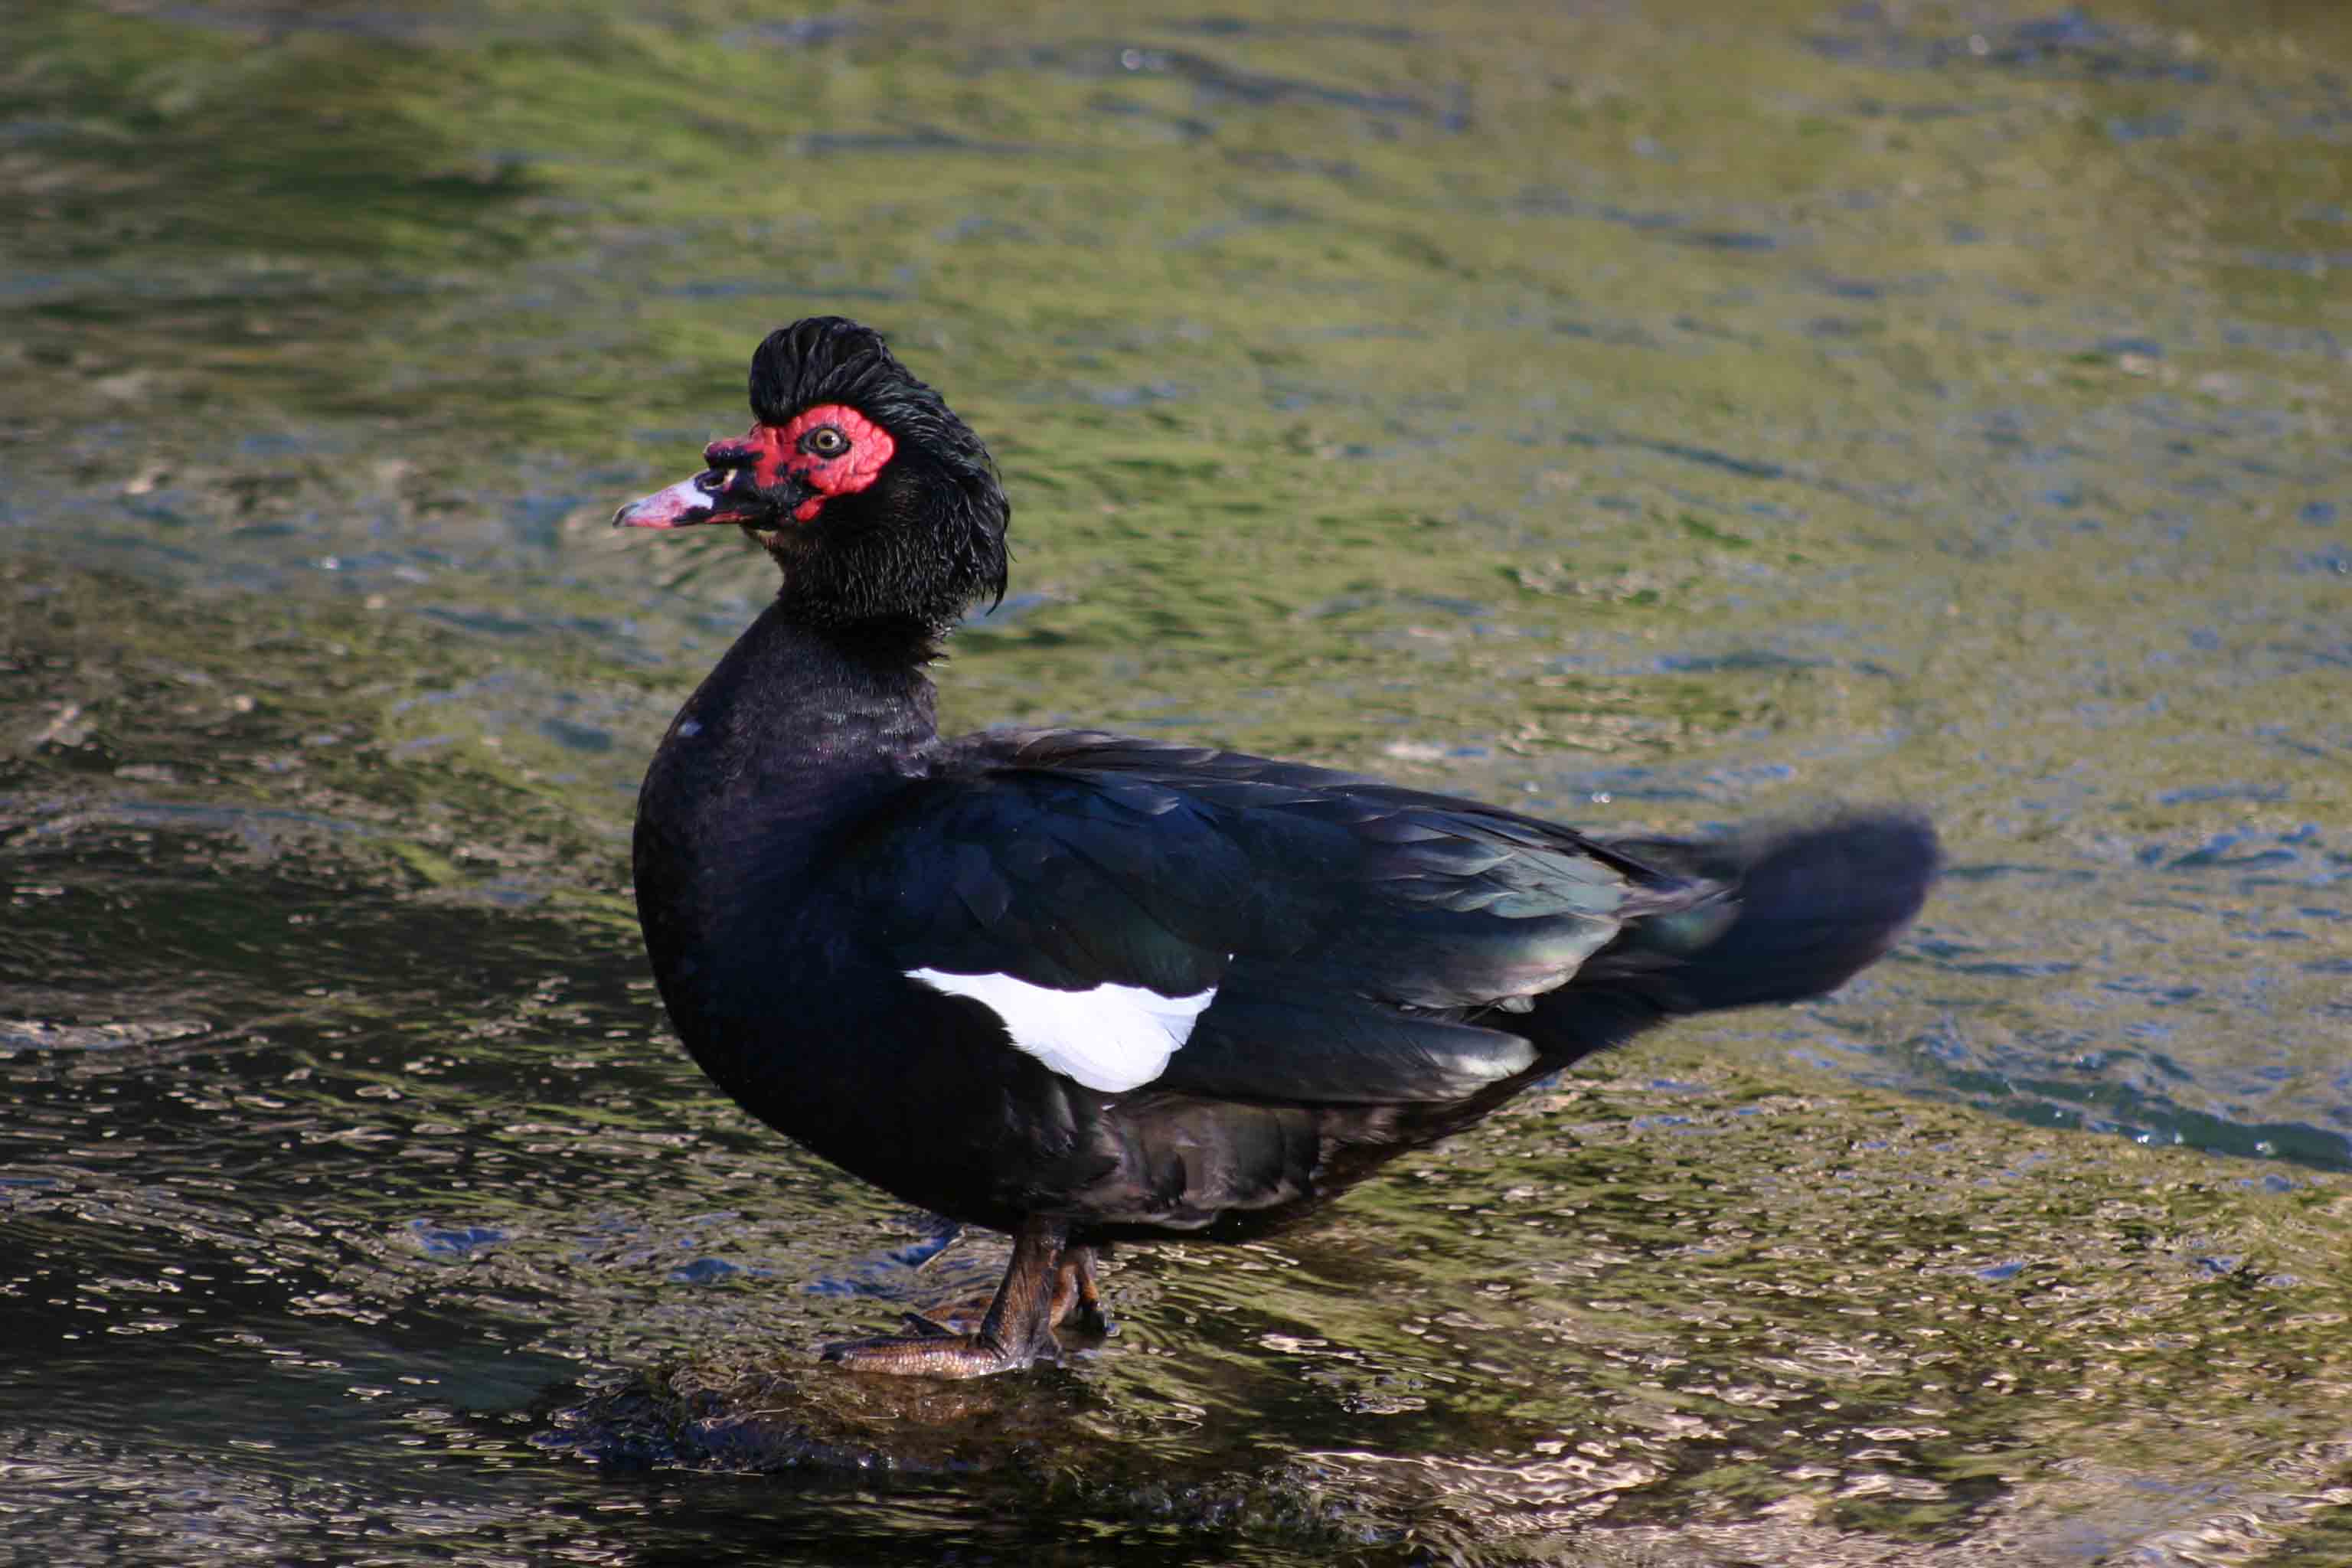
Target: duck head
(877, 502)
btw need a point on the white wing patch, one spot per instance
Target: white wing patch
(1113, 1037)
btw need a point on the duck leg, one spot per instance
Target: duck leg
(1077, 1299)
(1076, 1303)
(1017, 1328)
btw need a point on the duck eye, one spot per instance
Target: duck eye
(825, 442)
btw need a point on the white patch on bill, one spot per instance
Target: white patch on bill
(1112, 1038)
(672, 506)
(688, 496)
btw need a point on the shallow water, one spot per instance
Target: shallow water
(1656, 416)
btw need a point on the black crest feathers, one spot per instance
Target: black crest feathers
(946, 484)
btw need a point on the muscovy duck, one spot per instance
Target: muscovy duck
(1084, 988)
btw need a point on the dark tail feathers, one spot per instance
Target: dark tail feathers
(1790, 914)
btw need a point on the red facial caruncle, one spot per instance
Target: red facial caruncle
(834, 449)
(822, 452)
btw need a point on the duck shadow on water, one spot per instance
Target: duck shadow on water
(1007, 1462)
(776, 1407)
(778, 1414)
(1119, 1430)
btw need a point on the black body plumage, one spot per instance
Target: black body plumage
(1380, 965)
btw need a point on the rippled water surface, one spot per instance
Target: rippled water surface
(1655, 415)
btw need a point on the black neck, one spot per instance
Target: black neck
(804, 698)
(798, 730)
(794, 719)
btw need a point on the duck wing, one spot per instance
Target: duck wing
(1136, 913)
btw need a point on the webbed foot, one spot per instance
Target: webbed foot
(1017, 1330)
(934, 1354)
